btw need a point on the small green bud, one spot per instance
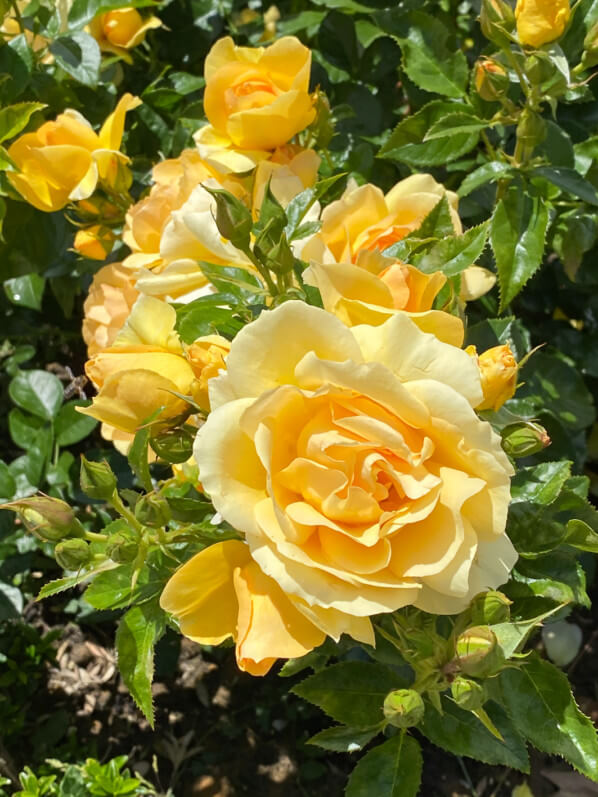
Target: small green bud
(496, 20)
(403, 708)
(531, 129)
(489, 608)
(478, 653)
(233, 218)
(467, 694)
(152, 510)
(48, 518)
(121, 548)
(524, 439)
(97, 479)
(72, 554)
(545, 74)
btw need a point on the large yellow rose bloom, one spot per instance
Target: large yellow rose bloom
(353, 461)
(221, 593)
(541, 21)
(258, 97)
(64, 159)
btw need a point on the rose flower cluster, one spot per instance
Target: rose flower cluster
(341, 441)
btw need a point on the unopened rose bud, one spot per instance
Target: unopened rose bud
(233, 219)
(498, 373)
(97, 479)
(48, 518)
(490, 608)
(491, 80)
(403, 708)
(496, 20)
(478, 653)
(152, 510)
(94, 242)
(121, 548)
(72, 554)
(524, 439)
(467, 694)
(97, 206)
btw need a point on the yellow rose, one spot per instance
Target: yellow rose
(173, 182)
(290, 171)
(498, 371)
(355, 465)
(173, 227)
(221, 592)
(491, 79)
(377, 287)
(111, 296)
(141, 371)
(206, 356)
(120, 30)
(364, 219)
(63, 160)
(541, 21)
(94, 242)
(258, 97)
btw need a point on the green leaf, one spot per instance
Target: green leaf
(8, 484)
(138, 631)
(538, 698)
(79, 55)
(428, 60)
(553, 384)
(62, 584)
(559, 577)
(11, 602)
(437, 223)
(204, 316)
(517, 233)
(462, 734)
(541, 483)
(26, 291)
(393, 769)
(138, 456)
(70, 426)
(38, 392)
(14, 118)
(23, 428)
(512, 636)
(488, 173)
(454, 123)
(341, 739)
(351, 692)
(494, 331)
(406, 142)
(580, 535)
(568, 180)
(455, 253)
